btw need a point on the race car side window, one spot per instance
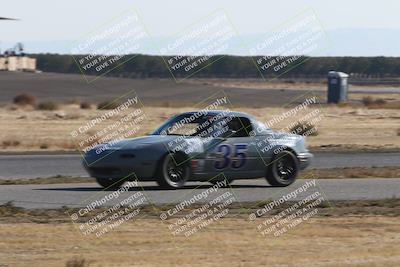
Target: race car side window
(240, 126)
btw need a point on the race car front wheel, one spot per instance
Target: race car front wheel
(174, 171)
(283, 169)
(110, 183)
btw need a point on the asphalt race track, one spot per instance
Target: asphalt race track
(33, 166)
(78, 195)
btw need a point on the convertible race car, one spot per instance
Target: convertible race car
(211, 146)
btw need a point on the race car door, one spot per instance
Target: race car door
(234, 153)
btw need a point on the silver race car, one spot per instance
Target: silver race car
(213, 146)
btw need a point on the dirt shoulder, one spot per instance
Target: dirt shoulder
(286, 84)
(387, 207)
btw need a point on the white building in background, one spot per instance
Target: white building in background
(17, 63)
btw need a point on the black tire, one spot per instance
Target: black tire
(283, 169)
(110, 183)
(173, 171)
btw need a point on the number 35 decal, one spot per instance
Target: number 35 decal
(231, 156)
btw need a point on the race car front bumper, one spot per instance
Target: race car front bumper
(117, 164)
(304, 159)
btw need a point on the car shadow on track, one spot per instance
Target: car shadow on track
(150, 188)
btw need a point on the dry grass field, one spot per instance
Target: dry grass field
(341, 234)
(341, 128)
(370, 120)
(335, 242)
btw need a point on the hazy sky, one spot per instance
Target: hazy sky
(54, 20)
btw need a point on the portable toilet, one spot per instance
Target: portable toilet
(337, 86)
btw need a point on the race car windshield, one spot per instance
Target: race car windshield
(182, 125)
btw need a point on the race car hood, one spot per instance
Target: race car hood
(145, 140)
(289, 139)
(284, 135)
(139, 142)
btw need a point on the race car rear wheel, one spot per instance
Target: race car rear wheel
(110, 183)
(174, 171)
(283, 169)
